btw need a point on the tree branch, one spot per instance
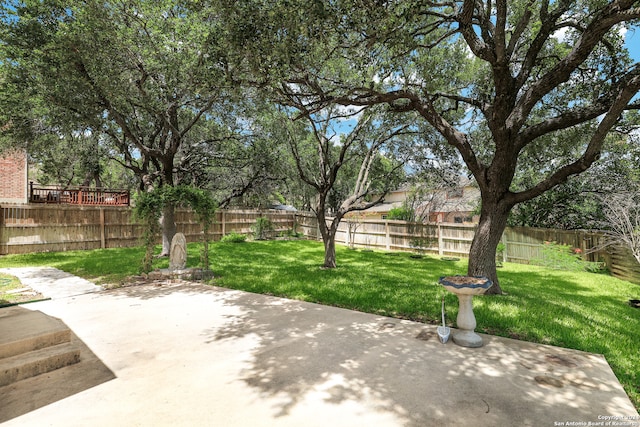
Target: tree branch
(592, 152)
(611, 14)
(477, 46)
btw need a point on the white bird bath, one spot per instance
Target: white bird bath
(465, 287)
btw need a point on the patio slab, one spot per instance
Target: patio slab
(189, 354)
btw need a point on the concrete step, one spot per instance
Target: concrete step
(23, 331)
(21, 366)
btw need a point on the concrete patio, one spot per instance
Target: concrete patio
(195, 355)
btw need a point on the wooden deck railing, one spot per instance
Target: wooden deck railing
(78, 196)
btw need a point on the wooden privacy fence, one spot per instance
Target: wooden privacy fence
(43, 228)
(444, 239)
(522, 244)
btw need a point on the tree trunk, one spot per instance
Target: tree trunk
(330, 243)
(482, 255)
(328, 233)
(330, 252)
(168, 228)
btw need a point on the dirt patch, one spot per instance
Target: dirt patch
(164, 277)
(560, 360)
(386, 325)
(426, 335)
(145, 280)
(465, 280)
(546, 380)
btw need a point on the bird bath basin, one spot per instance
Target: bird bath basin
(465, 287)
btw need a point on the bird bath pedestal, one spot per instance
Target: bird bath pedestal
(465, 287)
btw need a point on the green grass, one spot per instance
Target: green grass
(9, 283)
(100, 265)
(583, 311)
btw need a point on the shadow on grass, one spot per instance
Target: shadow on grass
(93, 264)
(372, 282)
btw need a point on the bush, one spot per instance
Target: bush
(261, 228)
(420, 244)
(559, 257)
(564, 257)
(292, 234)
(233, 237)
(400, 213)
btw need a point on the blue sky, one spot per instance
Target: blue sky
(632, 40)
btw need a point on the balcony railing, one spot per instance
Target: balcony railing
(78, 196)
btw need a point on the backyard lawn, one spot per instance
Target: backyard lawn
(583, 311)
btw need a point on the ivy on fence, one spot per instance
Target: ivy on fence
(149, 207)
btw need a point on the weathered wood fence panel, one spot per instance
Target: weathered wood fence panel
(119, 228)
(41, 227)
(44, 228)
(624, 265)
(443, 239)
(522, 244)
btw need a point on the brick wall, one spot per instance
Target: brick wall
(13, 177)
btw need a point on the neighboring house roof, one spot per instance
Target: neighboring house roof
(463, 198)
(383, 207)
(284, 208)
(454, 200)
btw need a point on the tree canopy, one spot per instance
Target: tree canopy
(144, 79)
(350, 171)
(497, 80)
(509, 87)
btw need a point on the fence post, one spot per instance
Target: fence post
(440, 241)
(2, 231)
(387, 237)
(102, 230)
(222, 220)
(347, 238)
(505, 254)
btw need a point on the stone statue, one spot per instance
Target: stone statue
(178, 253)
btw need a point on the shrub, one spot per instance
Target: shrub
(420, 244)
(400, 213)
(292, 234)
(261, 228)
(233, 237)
(559, 257)
(564, 257)
(148, 209)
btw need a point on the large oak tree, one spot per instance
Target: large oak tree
(147, 77)
(522, 73)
